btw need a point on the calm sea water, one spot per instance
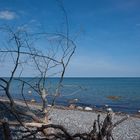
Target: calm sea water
(93, 92)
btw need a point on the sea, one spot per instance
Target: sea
(121, 94)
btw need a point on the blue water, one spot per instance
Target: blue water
(92, 92)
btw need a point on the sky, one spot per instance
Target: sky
(107, 32)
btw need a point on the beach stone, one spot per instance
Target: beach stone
(88, 108)
(29, 91)
(109, 110)
(79, 107)
(49, 130)
(67, 120)
(33, 101)
(72, 101)
(106, 105)
(49, 105)
(72, 106)
(94, 106)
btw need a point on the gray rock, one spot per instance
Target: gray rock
(79, 107)
(109, 110)
(88, 108)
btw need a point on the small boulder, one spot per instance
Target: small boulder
(106, 106)
(30, 92)
(33, 101)
(109, 110)
(79, 108)
(88, 108)
(49, 105)
(72, 101)
(72, 106)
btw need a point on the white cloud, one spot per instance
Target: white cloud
(138, 24)
(7, 15)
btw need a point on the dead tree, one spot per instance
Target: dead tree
(22, 53)
(21, 49)
(100, 131)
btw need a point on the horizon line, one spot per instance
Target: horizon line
(79, 77)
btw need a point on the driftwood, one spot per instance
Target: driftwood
(100, 131)
(6, 130)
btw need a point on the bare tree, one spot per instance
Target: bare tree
(20, 49)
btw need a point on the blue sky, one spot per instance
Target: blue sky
(108, 43)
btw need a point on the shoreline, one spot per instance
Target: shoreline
(62, 107)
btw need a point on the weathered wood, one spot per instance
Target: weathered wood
(6, 130)
(100, 131)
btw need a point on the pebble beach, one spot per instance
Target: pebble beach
(80, 121)
(76, 121)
